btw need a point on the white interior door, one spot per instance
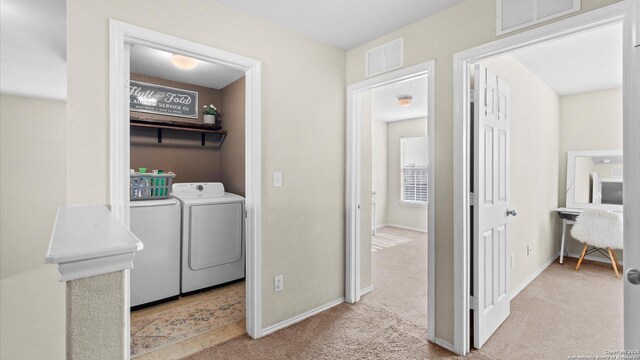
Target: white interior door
(490, 210)
(631, 223)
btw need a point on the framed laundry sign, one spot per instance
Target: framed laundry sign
(162, 100)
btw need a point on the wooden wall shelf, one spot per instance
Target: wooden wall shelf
(180, 126)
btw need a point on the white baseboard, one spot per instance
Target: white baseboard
(444, 344)
(403, 227)
(283, 324)
(366, 290)
(591, 258)
(532, 277)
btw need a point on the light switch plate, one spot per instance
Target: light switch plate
(277, 179)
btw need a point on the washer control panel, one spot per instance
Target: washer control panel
(210, 189)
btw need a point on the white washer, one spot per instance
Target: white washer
(156, 269)
(213, 239)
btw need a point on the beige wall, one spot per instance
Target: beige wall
(232, 154)
(379, 169)
(439, 37)
(303, 132)
(403, 215)
(588, 121)
(534, 143)
(32, 187)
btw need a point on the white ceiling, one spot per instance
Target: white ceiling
(33, 52)
(33, 41)
(157, 63)
(343, 24)
(384, 100)
(579, 63)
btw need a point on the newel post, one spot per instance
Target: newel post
(94, 253)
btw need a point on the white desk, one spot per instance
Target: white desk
(568, 217)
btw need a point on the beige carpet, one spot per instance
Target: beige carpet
(169, 323)
(382, 240)
(399, 276)
(561, 313)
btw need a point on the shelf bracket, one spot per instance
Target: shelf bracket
(159, 136)
(202, 136)
(222, 137)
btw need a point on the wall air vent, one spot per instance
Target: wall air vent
(384, 58)
(513, 15)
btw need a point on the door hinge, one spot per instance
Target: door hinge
(473, 95)
(246, 214)
(472, 199)
(473, 303)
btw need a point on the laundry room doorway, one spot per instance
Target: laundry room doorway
(186, 117)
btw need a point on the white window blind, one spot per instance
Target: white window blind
(415, 170)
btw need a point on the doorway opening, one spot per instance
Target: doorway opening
(390, 190)
(161, 89)
(517, 136)
(395, 171)
(187, 287)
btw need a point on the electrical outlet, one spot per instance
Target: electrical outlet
(513, 259)
(529, 250)
(277, 179)
(278, 283)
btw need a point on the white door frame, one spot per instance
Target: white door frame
(353, 290)
(619, 12)
(122, 34)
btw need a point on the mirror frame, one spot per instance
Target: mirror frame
(571, 174)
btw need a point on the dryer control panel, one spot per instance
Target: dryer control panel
(205, 189)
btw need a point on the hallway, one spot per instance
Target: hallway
(584, 306)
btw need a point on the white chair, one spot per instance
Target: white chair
(600, 229)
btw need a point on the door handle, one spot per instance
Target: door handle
(511, 212)
(633, 276)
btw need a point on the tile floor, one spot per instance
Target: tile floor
(226, 325)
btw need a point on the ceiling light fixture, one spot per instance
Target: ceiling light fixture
(405, 101)
(184, 62)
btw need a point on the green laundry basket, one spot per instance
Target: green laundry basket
(143, 186)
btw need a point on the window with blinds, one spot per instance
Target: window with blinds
(415, 184)
(414, 170)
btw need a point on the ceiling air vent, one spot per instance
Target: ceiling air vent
(513, 15)
(384, 58)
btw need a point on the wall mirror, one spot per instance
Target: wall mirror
(594, 179)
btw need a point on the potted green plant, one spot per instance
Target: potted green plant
(210, 114)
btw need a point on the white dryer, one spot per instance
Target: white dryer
(213, 236)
